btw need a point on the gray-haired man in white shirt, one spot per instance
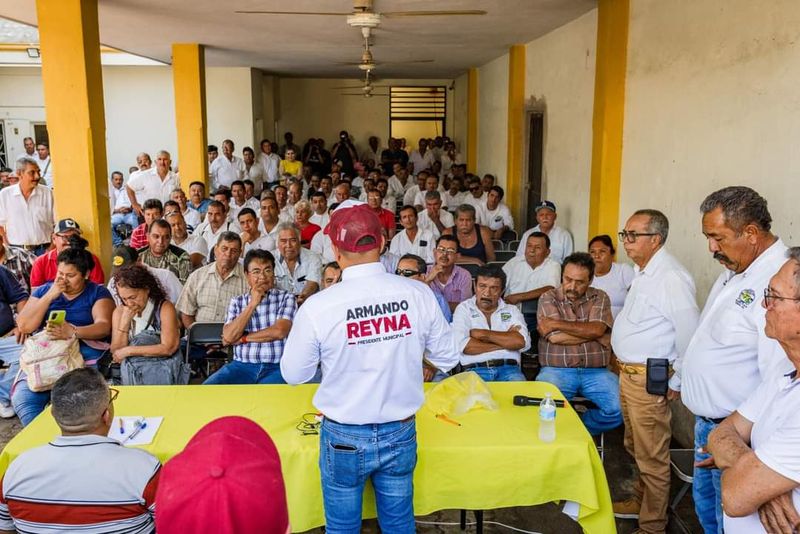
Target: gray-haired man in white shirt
(369, 333)
(656, 322)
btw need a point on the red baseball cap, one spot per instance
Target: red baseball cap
(351, 222)
(227, 480)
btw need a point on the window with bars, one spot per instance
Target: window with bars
(417, 111)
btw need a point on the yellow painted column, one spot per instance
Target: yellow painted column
(73, 97)
(189, 81)
(609, 116)
(516, 127)
(472, 120)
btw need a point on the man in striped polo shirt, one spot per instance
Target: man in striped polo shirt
(82, 480)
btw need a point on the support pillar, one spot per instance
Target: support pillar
(516, 128)
(609, 116)
(189, 81)
(472, 120)
(73, 95)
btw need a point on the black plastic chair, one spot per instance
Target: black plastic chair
(472, 268)
(205, 334)
(504, 255)
(509, 235)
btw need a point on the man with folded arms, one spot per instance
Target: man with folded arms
(489, 333)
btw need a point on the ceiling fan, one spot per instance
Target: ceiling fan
(367, 90)
(368, 62)
(363, 16)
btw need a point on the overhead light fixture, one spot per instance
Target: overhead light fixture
(33, 53)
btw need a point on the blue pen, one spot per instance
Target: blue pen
(121, 426)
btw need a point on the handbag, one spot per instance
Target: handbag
(45, 360)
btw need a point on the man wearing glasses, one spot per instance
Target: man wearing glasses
(444, 276)
(657, 321)
(82, 481)
(257, 325)
(756, 446)
(729, 354)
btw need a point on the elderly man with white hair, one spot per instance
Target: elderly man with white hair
(26, 209)
(157, 182)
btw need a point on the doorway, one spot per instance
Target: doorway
(535, 160)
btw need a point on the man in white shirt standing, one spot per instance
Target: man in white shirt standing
(489, 333)
(656, 322)
(729, 354)
(421, 159)
(158, 183)
(271, 163)
(413, 240)
(30, 149)
(26, 210)
(45, 163)
(227, 169)
(253, 170)
(756, 446)
(560, 239)
(368, 332)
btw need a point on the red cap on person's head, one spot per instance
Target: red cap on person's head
(350, 223)
(227, 480)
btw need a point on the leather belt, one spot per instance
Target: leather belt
(490, 363)
(406, 420)
(32, 247)
(711, 420)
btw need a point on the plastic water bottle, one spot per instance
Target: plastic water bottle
(547, 419)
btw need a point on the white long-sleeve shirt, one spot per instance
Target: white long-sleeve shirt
(660, 313)
(369, 333)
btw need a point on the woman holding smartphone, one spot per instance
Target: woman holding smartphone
(88, 307)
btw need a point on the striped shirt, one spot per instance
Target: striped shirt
(276, 304)
(88, 483)
(593, 306)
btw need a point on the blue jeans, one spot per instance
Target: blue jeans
(599, 385)
(504, 373)
(28, 404)
(386, 454)
(237, 372)
(9, 353)
(118, 218)
(707, 483)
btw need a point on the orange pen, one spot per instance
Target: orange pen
(443, 417)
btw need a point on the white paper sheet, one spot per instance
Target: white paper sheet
(144, 437)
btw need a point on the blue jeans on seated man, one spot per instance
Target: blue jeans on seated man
(28, 404)
(236, 372)
(118, 218)
(350, 454)
(9, 353)
(504, 373)
(598, 384)
(707, 483)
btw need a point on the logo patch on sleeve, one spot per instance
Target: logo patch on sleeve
(745, 298)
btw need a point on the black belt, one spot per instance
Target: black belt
(710, 420)
(406, 420)
(32, 247)
(490, 363)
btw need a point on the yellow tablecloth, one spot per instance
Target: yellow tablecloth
(494, 460)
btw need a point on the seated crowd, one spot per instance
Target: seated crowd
(256, 249)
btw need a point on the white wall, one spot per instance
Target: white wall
(559, 78)
(460, 111)
(314, 107)
(493, 119)
(21, 104)
(230, 106)
(711, 100)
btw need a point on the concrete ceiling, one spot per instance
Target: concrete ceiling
(311, 46)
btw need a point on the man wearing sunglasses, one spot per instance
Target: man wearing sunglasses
(414, 267)
(728, 356)
(656, 322)
(81, 480)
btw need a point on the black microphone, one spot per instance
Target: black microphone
(522, 400)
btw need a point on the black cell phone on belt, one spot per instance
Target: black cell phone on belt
(657, 376)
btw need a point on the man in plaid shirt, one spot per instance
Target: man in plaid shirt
(257, 325)
(575, 321)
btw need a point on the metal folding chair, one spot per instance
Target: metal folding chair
(498, 245)
(682, 463)
(205, 334)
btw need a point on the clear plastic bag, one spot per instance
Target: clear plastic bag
(459, 394)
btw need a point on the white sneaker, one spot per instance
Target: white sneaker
(7, 411)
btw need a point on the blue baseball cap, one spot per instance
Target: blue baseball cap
(545, 204)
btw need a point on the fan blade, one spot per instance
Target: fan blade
(403, 62)
(395, 14)
(245, 12)
(355, 87)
